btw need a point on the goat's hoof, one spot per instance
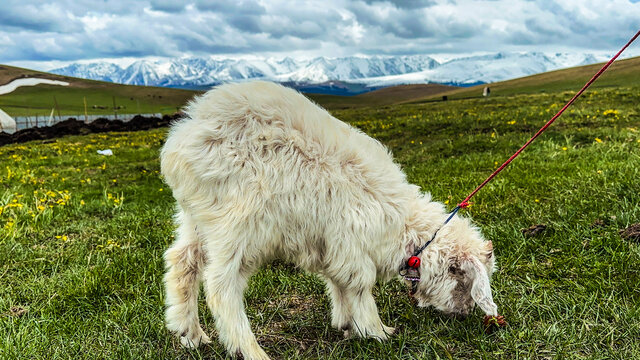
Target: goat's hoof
(200, 338)
(255, 354)
(380, 337)
(388, 330)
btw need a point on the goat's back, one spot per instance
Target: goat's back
(262, 151)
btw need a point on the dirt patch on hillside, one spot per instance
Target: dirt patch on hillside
(76, 127)
(534, 230)
(17, 311)
(631, 233)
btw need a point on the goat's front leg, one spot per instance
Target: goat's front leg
(350, 285)
(340, 310)
(365, 321)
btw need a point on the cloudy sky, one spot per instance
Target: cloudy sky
(43, 34)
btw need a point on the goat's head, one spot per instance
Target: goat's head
(455, 270)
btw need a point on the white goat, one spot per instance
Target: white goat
(259, 172)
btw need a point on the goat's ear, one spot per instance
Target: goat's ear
(410, 249)
(481, 288)
(488, 249)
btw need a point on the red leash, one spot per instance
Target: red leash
(465, 202)
(414, 261)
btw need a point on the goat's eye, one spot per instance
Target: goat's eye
(453, 269)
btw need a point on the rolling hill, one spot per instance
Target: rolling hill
(382, 97)
(622, 73)
(100, 96)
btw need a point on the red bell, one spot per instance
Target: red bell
(414, 262)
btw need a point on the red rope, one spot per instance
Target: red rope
(465, 202)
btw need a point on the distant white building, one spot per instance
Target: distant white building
(7, 124)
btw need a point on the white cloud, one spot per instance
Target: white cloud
(63, 30)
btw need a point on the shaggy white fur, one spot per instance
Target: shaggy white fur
(259, 172)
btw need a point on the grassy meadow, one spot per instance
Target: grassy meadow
(82, 237)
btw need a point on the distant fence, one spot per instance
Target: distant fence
(25, 122)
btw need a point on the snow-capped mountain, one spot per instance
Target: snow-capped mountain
(102, 71)
(488, 68)
(374, 71)
(351, 69)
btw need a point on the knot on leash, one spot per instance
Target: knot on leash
(463, 205)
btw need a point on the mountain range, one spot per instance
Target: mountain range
(346, 75)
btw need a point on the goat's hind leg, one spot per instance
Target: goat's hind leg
(184, 263)
(226, 277)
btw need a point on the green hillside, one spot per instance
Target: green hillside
(622, 73)
(39, 100)
(382, 97)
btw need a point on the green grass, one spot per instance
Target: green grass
(82, 238)
(39, 100)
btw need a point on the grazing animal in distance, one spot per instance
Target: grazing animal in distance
(260, 173)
